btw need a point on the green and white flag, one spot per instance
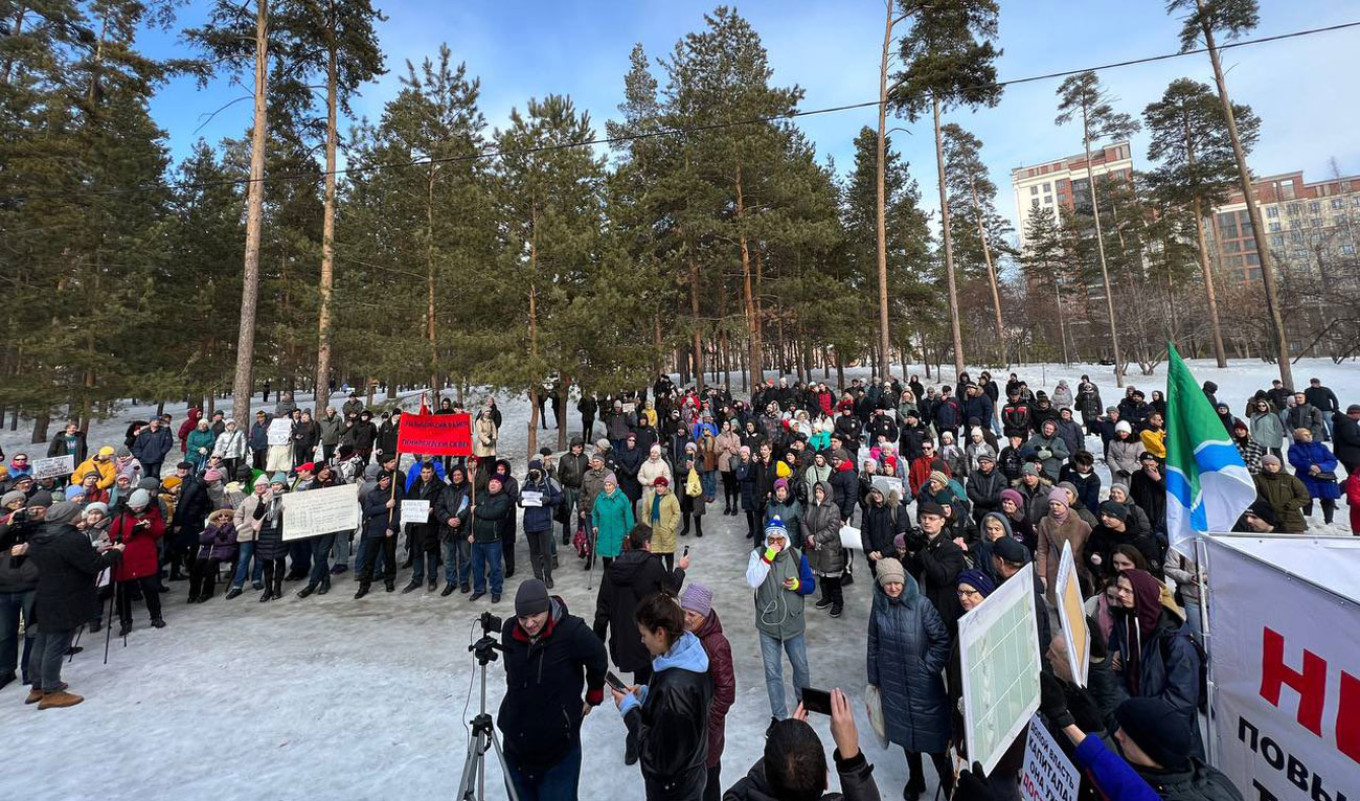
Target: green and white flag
(1207, 483)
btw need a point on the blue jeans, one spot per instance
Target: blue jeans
(553, 783)
(709, 481)
(361, 559)
(796, 648)
(343, 543)
(12, 604)
(243, 560)
(457, 561)
(486, 554)
(321, 555)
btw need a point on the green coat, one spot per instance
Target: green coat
(199, 439)
(613, 516)
(1287, 496)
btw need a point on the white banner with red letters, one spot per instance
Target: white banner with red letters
(1285, 666)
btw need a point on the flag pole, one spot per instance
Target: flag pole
(1201, 572)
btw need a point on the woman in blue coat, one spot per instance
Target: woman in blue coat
(1315, 466)
(908, 648)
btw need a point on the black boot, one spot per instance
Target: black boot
(233, 593)
(685, 533)
(267, 595)
(390, 586)
(325, 586)
(698, 527)
(305, 591)
(448, 589)
(157, 623)
(363, 590)
(412, 587)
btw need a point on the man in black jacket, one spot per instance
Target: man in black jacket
(67, 567)
(571, 470)
(636, 574)
(936, 562)
(548, 653)
(188, 520)
(794, 765)
(1346, 438)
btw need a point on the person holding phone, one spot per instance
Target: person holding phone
(668, 716)
(551, 656)
(908, 649)
(138, 526)
(781, 577)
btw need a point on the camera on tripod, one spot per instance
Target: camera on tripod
(485, 648)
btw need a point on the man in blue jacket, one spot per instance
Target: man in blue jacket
(151, 447)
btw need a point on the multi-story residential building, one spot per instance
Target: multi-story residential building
(1063, 183)
(1311, 227)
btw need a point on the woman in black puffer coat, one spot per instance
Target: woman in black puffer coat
(908, 649)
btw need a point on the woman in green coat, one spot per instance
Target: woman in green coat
(611, 518)
(199, 445)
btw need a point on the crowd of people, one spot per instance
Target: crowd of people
(952, 493)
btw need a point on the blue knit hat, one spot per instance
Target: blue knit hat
(776, 528)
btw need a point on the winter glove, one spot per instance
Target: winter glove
(770, 553)
(973, 786)
(1053, 701)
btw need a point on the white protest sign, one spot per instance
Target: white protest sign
(1285, 667)
(280, 431)
(53, 467)
(1048, 774)
(888, 485)
(629, 408)
(320, 511)
(417, 512)
(1072, 617)
(999, 663)
(531, 498)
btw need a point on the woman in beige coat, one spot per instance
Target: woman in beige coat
(484, 435)
(1061, 525)
(662, 513)
(729, 451)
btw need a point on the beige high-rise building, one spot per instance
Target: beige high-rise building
(1063, 183)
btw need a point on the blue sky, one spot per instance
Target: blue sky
(1302, 88)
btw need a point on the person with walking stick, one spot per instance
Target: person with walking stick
(65, 600)
(549, 655)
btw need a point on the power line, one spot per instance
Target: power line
(493, 152)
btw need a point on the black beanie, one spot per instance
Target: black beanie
(1158, 729)
(531, 598)
(1115, 509)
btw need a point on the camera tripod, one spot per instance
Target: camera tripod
(483, 736)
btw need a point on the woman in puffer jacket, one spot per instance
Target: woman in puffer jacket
(216, 544)
(820, 527)
(908, 648)
(1122, 455)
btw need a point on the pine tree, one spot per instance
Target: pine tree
(1190, 139)
(1084, 100)
(1208, 21)
(1043, 265)
(950, 62)
(980, 232)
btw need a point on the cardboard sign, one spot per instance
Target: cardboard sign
(1000, 662)
(531, 498)
(54, 467)
(320, 511)
(435, 434)
(1072, 617)
(1048, 774)
(280, 430)
(417, 512)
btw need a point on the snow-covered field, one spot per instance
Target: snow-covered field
(330, 697)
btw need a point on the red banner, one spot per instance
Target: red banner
(436, 434)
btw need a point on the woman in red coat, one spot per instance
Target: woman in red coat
(138, 526)
(702, 622)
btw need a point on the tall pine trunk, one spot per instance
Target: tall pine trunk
(955, 326)
(323, 347)
(1100, 245)
(748, 293)
(880, 211)
(1253, 209)
(991, 273)
(250, 281)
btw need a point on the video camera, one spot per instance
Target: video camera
(485, 648)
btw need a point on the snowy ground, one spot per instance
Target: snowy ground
(334, 698)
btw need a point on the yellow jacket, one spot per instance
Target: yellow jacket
(1154, 442)
(105, 470)
(663, 530)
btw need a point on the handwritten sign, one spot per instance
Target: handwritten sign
(436, 434)
(531, 498)
(417, 512)
(53, 467)
(1048, 774)
(320, 511)
(280, 431)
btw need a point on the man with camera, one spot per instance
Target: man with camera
(548, 654)
(18, 583)
(936, 561)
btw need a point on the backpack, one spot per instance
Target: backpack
(1202, 690)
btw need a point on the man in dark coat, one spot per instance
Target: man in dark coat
(549, 656)
(70, 441)
(936, 562)
(188, 521)
(67, 567)
(152, 446)
(1346, 438)
(636, 574)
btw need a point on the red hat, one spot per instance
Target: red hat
(661, 481)
(310, 467)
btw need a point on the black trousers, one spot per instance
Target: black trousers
(831, 590)
(151, 593)
(202, 577)
(916, 775)
(273, 574)
(388, 545)
(508, 549)
(713, 789)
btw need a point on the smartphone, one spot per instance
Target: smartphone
(817, 701)
(685, 552)
(617, 683)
